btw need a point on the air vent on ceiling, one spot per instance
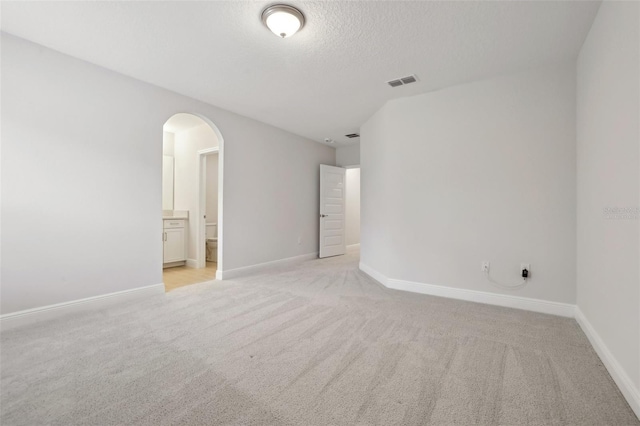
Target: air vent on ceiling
(407, 80)
(352, 135)
(402, 81)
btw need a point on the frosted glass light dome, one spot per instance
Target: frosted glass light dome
(284, 21)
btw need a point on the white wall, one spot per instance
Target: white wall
(212, 189)
(348, 155)
(352, 222)
(608, 135)
(187, 144)
(481, 171)
(375, 180)
(168, 143)
(168, 171)
(81, 209)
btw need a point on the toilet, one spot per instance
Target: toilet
(212, 242)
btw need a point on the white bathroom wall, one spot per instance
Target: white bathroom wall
(212, 188)
(478, 172)
(353, 206)
(608, 135)
(348, 155)
(168, 143)
(168, 171)
(81, 208)
(187, 144)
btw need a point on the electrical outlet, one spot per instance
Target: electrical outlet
(299, 240)
(484, 267)
(526, 266)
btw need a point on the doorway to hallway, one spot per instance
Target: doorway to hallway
(339, 210)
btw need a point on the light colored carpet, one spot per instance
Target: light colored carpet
(313, 344)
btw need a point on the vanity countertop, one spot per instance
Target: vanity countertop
(175, 214)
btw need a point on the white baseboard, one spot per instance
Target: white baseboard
(245, 270)
(352, 246)
(192, 263)
(619, 376)
(508, 301)
(174, 264)
(43, 313)
(373, 274)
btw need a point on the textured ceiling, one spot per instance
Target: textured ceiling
(324, 81)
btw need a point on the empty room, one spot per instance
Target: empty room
(320, 213)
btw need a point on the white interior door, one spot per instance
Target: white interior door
(332, 211)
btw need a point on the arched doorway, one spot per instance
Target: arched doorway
(193, 198)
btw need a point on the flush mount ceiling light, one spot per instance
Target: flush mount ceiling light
(284, 21)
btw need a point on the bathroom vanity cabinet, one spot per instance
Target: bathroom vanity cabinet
(175, 242)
